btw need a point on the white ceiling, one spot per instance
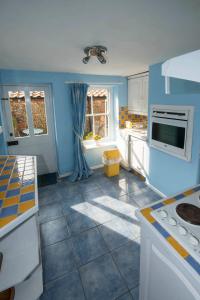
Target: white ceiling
(49, 35)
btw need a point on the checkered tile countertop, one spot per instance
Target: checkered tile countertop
(18, 194)
(146, 213)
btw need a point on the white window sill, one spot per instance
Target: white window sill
(88, 145)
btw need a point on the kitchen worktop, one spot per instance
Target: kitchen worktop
(145, 215)
(18, 191)
(137, 132)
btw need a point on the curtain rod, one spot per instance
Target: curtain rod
(94, 83)
(141, 73)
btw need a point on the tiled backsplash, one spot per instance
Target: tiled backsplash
(125, 116)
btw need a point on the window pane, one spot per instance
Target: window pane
(88, 105)
(18, 112)
(99, 105)
(38, 112)
(100, 125)
(88, 134)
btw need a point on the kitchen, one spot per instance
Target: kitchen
(73, 224)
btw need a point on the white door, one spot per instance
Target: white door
(28, 124)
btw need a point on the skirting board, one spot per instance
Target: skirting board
(69, 173)
(155, 190)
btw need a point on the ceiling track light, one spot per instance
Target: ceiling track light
(97, 51)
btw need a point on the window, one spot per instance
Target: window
(97, 114)
(19, 113)
(23, 111)
(37, 99)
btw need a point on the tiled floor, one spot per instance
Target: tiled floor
(90, 237)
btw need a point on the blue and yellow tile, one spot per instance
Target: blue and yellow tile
(3, 188)
(10, 201)
(6, 220)
(27, 197)
(17, 187)
(27, 189)
(12, 193)
(14, 185)
(24, 206)
(8, 211)
(4, 182)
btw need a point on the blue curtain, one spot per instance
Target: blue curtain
(78, 100)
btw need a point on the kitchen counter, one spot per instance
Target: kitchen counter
(20, 252)
(138, 133)
(18, 191)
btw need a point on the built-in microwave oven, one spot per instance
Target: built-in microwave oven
(171, 129)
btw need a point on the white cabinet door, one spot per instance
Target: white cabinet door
(31, 288)
(122, 145)
(138, 95)
(162, 275)
(139, 156)
(20, 250)
(136, 154)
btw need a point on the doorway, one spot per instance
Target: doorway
(28, 122)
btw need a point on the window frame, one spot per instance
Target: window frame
(108, 113)
(29, 112)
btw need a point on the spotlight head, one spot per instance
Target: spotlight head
(97, 51)
(101, 58)
(86, 59)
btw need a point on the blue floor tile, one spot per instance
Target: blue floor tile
(58, 259)
(101, 279)
(88, 246)
(127, 259)
(68, 287)
(126, 296)
(48, 195)
(88, 185)
(50, 212)
(135, 293)
(69, 214)
(111, 189)
(74, 204)
(117, 232)
(145, 197)
(79, 222)
(54, 231)
(91, 195)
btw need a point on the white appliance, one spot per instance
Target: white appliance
(171, 129)
(164, 273)
(178, 218)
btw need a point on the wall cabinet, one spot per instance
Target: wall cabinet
(139, 155)
(138, 94)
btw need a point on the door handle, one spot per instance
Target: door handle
(12, 143)
(1, 260)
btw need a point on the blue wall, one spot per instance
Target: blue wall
(62, 107)
(168, 173)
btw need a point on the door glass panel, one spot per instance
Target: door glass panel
(18, 113)
(38, 109)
